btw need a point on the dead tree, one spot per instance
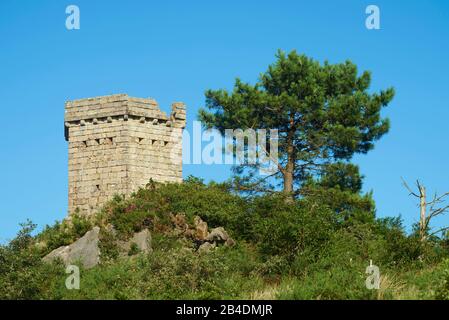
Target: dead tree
(428, 210)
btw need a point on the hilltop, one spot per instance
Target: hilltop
(279, 250)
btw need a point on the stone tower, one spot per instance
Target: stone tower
(118, 143)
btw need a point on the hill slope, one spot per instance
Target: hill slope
(282, 250)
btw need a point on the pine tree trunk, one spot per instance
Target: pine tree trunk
(288, 182)
(290, 167)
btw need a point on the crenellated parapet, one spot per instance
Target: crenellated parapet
(106, 109)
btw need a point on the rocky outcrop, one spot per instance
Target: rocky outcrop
(84, 250)
(200, 234)
(180, 222)
(201, 229)
(218, 234)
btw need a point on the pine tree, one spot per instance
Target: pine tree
(324, 114)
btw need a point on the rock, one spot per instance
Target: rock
(220, 235)
(206, 247)
(180, 223)
(230, 242)
(201, 230)
(85, 250)
(190, 233)
(179, 220)
(142, 239)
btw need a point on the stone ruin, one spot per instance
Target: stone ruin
(117, 144)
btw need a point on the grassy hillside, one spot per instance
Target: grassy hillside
(317, 247)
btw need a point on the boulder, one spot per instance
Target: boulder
(220, 235)
(201, 230)
(230, 242)
(142, 239)
(84, 250)
(206, 247)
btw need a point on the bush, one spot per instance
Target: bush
(302, 249)
(336, 283)
(22, 273)
(400, 249)
(64, 233)
(152, 206)
(177, 273)
(284, 228)
(339, 271)
(442, 292)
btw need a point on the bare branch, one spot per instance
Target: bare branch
(439, 199)
(439, 230)
(408, 188)
(420, 188)
(438, 212)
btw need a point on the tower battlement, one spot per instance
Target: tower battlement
(117, 144)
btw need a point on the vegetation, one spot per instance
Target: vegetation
(304, 250)
(323, 114)
(314, 239)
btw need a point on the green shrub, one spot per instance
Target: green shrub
(134, 249)
(213, 203)
(283, 228)
(108, 246)
(22, 273)
(64, 233)
(178, 273)
(442, 292)
(335, 283)
(339, 271)
(302, 249)
(400, 249)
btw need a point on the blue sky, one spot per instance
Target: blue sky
(175, 50)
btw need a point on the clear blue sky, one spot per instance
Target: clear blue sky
(175, 50)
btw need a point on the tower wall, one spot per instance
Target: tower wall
(117, 144)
